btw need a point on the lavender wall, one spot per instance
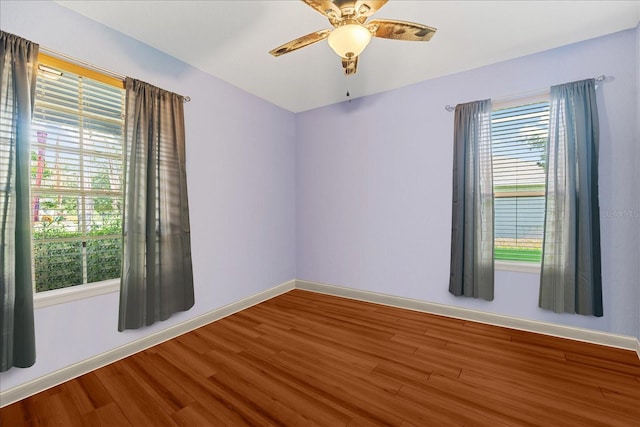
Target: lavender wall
(373, 184)
(638, 170)
(240, 171)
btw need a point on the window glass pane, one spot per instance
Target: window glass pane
(76, 180)
(58, 263)
(519, 136)
(518, 228)
(103, 259)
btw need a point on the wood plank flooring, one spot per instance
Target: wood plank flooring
(307, 359)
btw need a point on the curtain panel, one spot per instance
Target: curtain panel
(157, 277)
(18, 60)
(472, 266)
(571, 279)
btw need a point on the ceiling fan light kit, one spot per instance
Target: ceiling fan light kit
(349, 40)
(351, 33)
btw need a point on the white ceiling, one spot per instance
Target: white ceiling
(231, 40)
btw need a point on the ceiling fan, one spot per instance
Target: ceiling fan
(351, 33)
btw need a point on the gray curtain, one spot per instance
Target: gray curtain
(18, 60)
(472, 210)
(571, 277)
(157, 277)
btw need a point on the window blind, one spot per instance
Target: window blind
(76, 179)
(519, 138)
(7, 133)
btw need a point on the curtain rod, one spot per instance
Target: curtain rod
(92, 66)
(600, 78)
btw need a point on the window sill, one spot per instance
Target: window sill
(521, 267)
(74, 293)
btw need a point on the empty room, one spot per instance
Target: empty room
(327, 213)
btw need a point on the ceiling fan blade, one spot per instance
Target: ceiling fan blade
(400, 30)
(350, 65)
(301, 42)
(368, 7)
(325, 7)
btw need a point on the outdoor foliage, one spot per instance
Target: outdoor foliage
(518, 254)
(539, 145)
(57, 264)
(58, 259)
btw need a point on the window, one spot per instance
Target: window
(76, 175)
(519, 139)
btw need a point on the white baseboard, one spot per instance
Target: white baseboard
(53, 379)
(45, 382)
(569, 332)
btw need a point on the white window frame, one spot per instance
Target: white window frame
(74, 293)
(500, 104)
(86, 290)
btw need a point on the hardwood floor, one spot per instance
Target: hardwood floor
(309, 359)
